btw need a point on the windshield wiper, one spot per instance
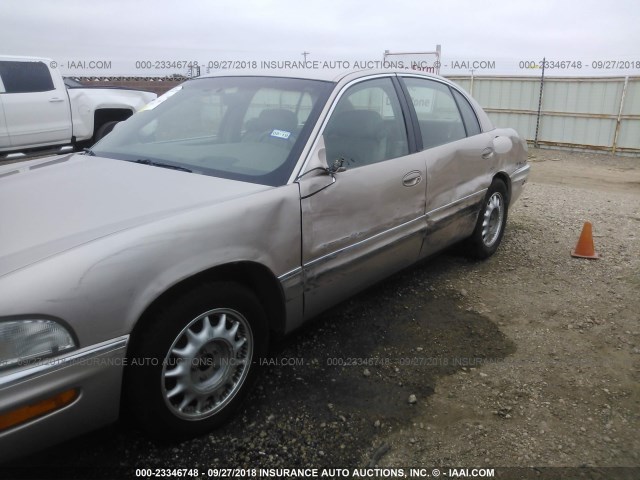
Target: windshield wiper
(146, 161)
(88, 151)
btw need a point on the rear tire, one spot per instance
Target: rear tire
(194, 361)
(489, 230)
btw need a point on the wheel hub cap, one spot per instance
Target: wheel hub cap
(492, 220)
(207, 364)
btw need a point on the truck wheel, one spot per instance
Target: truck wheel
(104, 129)
(194, 361)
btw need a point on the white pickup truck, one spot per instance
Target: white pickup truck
(38, 111)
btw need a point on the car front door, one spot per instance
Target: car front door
(36, 113)
(368, 223)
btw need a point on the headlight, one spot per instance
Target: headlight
(22, 341)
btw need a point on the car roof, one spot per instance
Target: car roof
(324, 74)
(327, 75)
(22, 58)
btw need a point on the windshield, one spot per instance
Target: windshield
(243, 128)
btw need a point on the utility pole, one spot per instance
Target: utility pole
(535, 141)
(471, 86)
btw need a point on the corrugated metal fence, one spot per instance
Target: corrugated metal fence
(586, 113)
(596, 113)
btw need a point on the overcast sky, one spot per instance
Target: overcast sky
(124, 31)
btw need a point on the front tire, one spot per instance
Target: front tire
(194, 361)
(489, 229)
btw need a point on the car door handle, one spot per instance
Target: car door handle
(56, 100)
(412, 179)
(487, 152)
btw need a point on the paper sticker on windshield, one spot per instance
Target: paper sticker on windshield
(154, 103)
(281, 134)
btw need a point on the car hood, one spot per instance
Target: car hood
(52, 205)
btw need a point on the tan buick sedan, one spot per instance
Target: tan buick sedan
(149, 273)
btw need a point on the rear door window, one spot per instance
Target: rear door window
(438, 115)
(468, 115)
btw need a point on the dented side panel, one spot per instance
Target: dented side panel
(103, 288)
(364, 227)
(458, 178)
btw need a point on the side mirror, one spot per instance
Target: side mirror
(318, 158)
(337, 166)
(318, 175)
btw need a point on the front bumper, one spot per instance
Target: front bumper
(96, 374)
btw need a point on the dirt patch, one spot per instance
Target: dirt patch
(592, 171)
(569, 394)
(531, 358)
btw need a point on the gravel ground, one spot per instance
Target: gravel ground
(528, 359)
(568, 393)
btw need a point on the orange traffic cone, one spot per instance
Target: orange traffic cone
(584, 247)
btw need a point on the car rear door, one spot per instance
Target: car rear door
(36, 113)
(457, 156)
(369, 223)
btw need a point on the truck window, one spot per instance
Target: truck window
(24, 77)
